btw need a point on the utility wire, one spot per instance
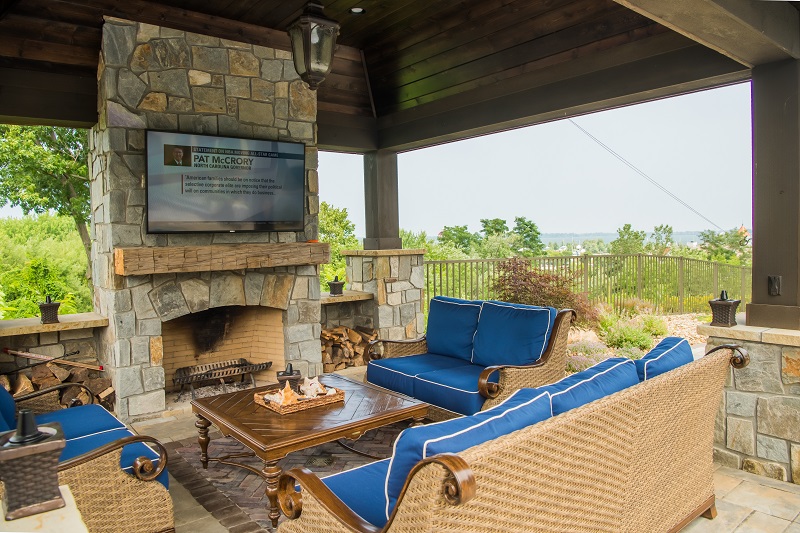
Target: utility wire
(645, 176)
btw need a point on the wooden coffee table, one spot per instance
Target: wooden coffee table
(272, 436)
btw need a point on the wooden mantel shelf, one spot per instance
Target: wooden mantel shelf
(170, 259)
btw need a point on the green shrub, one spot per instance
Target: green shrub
(631, 352)
(517, 281)
(578, 362)
(654, 325)
(625, 334)
(606, 322)
(637, 306)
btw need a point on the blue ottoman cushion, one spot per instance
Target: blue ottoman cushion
(670, 353)
(362, 490)
(455, 389)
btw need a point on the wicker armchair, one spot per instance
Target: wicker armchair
(109, 499)
(550, 368)
(637, 460)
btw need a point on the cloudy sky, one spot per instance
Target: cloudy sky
(697, 147)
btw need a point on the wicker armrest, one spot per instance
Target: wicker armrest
(110, 499)
(458, 487)
(380, 348)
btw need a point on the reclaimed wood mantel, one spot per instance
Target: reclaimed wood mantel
(169, 259)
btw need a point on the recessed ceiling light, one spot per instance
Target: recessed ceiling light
(357, 10)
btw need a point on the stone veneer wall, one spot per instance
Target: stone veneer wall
(396, 279)
(758, 425)
(152, 77)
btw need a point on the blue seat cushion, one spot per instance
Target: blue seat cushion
(455, 389)
(511, 334)
(670, 353)
(521, 409)
(602, 379)
(362, 489)
(80, 445)
(82, 420)
(8, 411)
(451, 327)
(398, 373)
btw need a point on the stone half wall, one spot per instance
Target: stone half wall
(758, 425)
(396, 279)
(157, 78)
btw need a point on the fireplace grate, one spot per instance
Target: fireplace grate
(189, 375)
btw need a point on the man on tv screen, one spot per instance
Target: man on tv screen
(177, 156)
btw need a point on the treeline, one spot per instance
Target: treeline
(42, 256)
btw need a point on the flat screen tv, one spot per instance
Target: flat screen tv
(203, 183)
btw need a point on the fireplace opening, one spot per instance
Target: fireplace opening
(219, 338)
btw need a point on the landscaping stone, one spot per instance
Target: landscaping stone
(762, 468)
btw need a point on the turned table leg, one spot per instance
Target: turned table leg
(271, 473)
(202, 426)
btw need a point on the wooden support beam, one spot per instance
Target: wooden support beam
(153, 260)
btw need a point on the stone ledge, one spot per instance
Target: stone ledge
(784, 337)
(347, 296)
(25, 326)
(384, 253)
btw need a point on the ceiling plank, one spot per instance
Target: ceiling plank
(690, 68)
(42, 98)
(6, 6)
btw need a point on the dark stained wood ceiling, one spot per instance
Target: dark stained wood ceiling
(399, 64)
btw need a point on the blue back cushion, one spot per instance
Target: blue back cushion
(602, 379)
(523, 408)
(451, 327)
(8, 411)
(511, 334)
(670, 353)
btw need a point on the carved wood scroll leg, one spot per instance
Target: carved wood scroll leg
(271, 473)
(202, 426)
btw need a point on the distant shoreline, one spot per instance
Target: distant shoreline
(680, 237)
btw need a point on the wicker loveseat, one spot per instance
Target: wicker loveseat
(474, 355)
(118, 479)
(636, 460)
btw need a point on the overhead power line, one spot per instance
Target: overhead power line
(645, 176)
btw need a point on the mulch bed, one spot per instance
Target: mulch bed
(235, 496)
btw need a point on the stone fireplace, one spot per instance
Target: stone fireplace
(155, 289)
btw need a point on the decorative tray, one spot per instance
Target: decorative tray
(302, 403)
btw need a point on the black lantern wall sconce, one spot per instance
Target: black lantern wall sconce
(313, 40)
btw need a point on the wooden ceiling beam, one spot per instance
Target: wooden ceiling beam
(6, 6)
(684, 70)
(42, 98)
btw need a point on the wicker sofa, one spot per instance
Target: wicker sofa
(474, 355)
(636, 460)
(118, 479)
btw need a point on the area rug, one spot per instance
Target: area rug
(245, 489)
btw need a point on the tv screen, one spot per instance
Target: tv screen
(223, 184)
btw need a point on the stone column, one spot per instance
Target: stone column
(396, 278)
(758, 425)
(159, 78)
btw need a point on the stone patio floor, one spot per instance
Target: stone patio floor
(746, 503)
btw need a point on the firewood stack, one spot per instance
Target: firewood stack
(343, 347)
(50, 374)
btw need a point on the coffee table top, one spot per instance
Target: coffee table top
(272, 436)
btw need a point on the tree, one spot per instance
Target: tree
(660, 240)
(529, 237)
(434, 251)
(458, 236)
(494, 226)
(43, 168)
(336, 229)
(732, 246)
(629, 241)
